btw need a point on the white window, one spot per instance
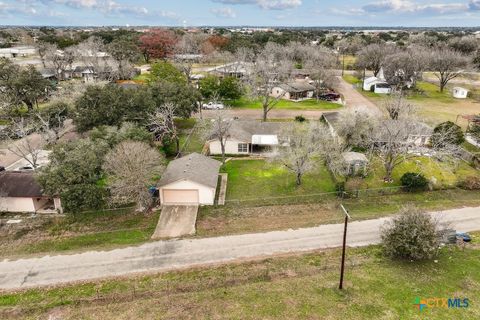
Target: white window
(243, 147)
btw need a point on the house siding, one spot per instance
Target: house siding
(231, 147)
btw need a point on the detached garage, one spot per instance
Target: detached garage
(190, 180)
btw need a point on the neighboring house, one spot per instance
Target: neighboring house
(190, 180)
(294, 91)
(15, 52)
(129, 84)
(460, 93)
(87, 74)
(356, 163)
(48, 74)
(235, 69)
(20, 192)
(250, 137)
(377, 84)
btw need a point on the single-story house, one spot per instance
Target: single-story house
(294, 91)
(355, 162)
(20, 192)
(377, 84)
(189, 180)
(250, 137)
(86, 73)
(14, 52)
(235, 69)
(460, 93)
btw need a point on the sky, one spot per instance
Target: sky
(408, 13)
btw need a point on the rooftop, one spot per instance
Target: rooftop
(19, 185)
(194, 167)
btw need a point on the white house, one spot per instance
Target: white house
(14, 52)
(20, 192)
(189, 180)
(294, 91)
(250, 137)
(377, 84)
(460, 93)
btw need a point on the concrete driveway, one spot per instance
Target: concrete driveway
(176, 221)
(353, 98)
(174, 254)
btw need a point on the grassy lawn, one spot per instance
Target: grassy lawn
(434, 106)
(470, 147)
(85, 231)
(304, 212)
(290, 287)
(260, 178)
(311, 104)
(441, 174)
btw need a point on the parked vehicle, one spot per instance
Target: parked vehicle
(330, 96)
(213, 106)
(464, 236)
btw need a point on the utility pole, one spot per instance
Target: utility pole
(342, 269)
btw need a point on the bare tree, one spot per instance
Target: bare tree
(373, 56)
(92, 53)
(402, 69)
(28, 147)
(271, 67)
(43, 49)
(303, 146)
(354, 125)
(131, 167)
(397, 107)
(219, 129)
(320, 63)
(51, 121)
(162, 123)
(447, 64)
(60, 60)
(185, 51)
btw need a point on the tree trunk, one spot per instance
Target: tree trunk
(265, 113)
(222, 145)
(177, 145)
(298, 179)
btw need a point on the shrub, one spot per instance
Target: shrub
(470, 183)
(447, 133)
(414, 181)
(300, 118)
(411, 235)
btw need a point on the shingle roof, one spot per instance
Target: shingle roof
(194, 167)
(297, 87)
(243, 130)
(19, 185)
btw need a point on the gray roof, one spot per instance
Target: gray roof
(19, 185)
(243, 130)
(350, 157)
(297, 87)
(194, 167)
(331, 117)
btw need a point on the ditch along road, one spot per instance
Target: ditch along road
(178, 254)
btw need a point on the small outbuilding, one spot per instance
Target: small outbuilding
(356, 163)
(20, 192)
(460, 93)
(189, 180)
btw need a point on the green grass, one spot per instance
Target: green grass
(430, 92)
(85, 231)
(470, 147)
(260, 178)
(292, 287)
(445, 174)
(311, 104)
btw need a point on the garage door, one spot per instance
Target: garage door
(180, 196)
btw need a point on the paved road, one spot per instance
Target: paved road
(257, 114)
(173, 254)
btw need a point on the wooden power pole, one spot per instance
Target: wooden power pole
(342, 268)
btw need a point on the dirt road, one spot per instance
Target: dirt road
(174, 254)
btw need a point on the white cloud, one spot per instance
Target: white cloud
(224, 12)
(474, 5)
(407, 6)
(266, 4)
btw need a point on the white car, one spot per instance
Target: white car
(213, 106)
